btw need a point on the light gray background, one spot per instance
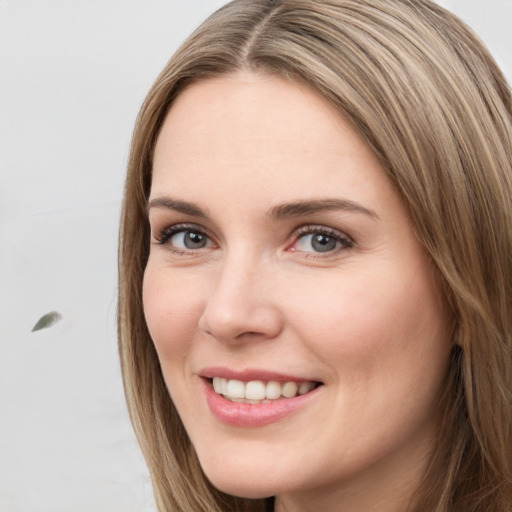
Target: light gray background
(73, 74)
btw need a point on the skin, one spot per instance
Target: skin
(366, 318)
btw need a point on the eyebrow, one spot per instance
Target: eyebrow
(280, 212)
(178, 206)
(300, 208)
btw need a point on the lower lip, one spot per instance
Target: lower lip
(254, 415)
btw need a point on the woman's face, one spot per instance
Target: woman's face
(283, 264)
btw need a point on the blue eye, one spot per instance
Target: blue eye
(318, 243)
(320, 240)
(189, 240)
(184, 238)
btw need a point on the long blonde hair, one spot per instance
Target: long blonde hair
(427, 97)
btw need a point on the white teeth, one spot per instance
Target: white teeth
(235, 389)
(257, 391)
(273, 390)
(306, 387)
(290, 390)
(216, 385)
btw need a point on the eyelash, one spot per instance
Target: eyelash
(164, 236)
(345, 242)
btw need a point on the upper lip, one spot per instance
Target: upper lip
(250, 374)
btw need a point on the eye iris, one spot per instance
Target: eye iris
(193, 240)
(323, 243)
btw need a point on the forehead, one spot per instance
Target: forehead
(263, 133)
(248, 92)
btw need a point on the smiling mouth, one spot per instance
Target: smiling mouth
(259, 391)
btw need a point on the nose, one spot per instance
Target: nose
(241, 305)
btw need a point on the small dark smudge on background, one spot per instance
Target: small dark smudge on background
(47, 321)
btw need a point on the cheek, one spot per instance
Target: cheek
(385, 343)
(376, 324)
(172, 310)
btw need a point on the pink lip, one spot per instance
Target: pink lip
(249, 374)
(253, 415)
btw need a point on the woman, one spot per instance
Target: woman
(316, 264)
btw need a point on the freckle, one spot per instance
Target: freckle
(47, 321)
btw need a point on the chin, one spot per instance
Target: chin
(242, 480)
(235, 485)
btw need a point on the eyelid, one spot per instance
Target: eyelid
(309, 229)
(163, 236)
